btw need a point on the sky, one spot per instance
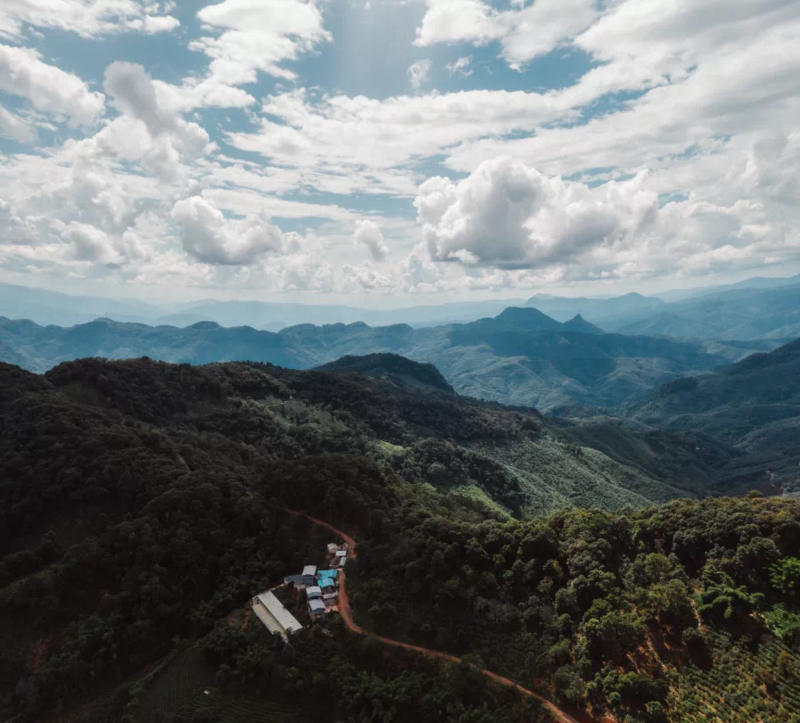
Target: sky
(397, 152)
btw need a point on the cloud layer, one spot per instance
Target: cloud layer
(552, 142)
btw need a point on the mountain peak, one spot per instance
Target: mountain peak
(578, 323)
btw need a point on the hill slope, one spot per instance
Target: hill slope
(393, 368)
(753, 405)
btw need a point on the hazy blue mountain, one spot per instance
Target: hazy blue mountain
(757, 282)
(736, 314)
(50, 307)
(40, 348)
(608, 312)
(53, 307)
(261, 314)
(521, 356)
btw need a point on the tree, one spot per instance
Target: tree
(785, 576)
(723, 600)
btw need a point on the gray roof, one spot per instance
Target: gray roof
(309, 570)
(275, 607)
(316, 605)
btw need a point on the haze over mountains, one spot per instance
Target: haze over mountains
(520, 356)
(768, 304)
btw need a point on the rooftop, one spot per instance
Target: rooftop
(309, 570)
(277, 613)
(322, 574)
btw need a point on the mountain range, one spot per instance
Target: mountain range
(746, 312)
(521, 356)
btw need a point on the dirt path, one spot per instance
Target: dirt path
(347, 615)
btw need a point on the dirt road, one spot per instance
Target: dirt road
(347, 615)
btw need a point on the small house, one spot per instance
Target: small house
(316, 608)
(332, 547)
(327, 574)
(327, 585)
(309, 575)
(313, 593)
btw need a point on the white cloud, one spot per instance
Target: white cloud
(88, 18)
(418, 73)
(510, 216)
(460, 67)
(148, 132)
(49, 89)
(366, 277)
(371, 140)
(253, 37)
(209, 237)
(369, 235)
(305, 272)
(524, 33)
(12, 126)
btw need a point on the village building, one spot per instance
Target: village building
(327, 575)
(316, 608)
(327, 585)
(313, 593)
(274, 615)
(309, 575)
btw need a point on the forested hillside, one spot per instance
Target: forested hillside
(753, 406)
(142, 507)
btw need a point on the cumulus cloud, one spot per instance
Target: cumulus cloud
(510, 216)
(460, 67)
(369, 234)
(418, 73)
(305, 272)
(164, 140)
(366, 277)
(208, 236)
(47, 88)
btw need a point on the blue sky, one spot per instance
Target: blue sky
(395, 153)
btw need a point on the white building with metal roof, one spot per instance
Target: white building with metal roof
(276, 618)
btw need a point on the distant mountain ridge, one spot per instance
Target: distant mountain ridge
(738, 314)
(520, 357)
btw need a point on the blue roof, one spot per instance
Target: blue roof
(328, 573)
(327, 582)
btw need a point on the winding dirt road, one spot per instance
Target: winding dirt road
(347, 615)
